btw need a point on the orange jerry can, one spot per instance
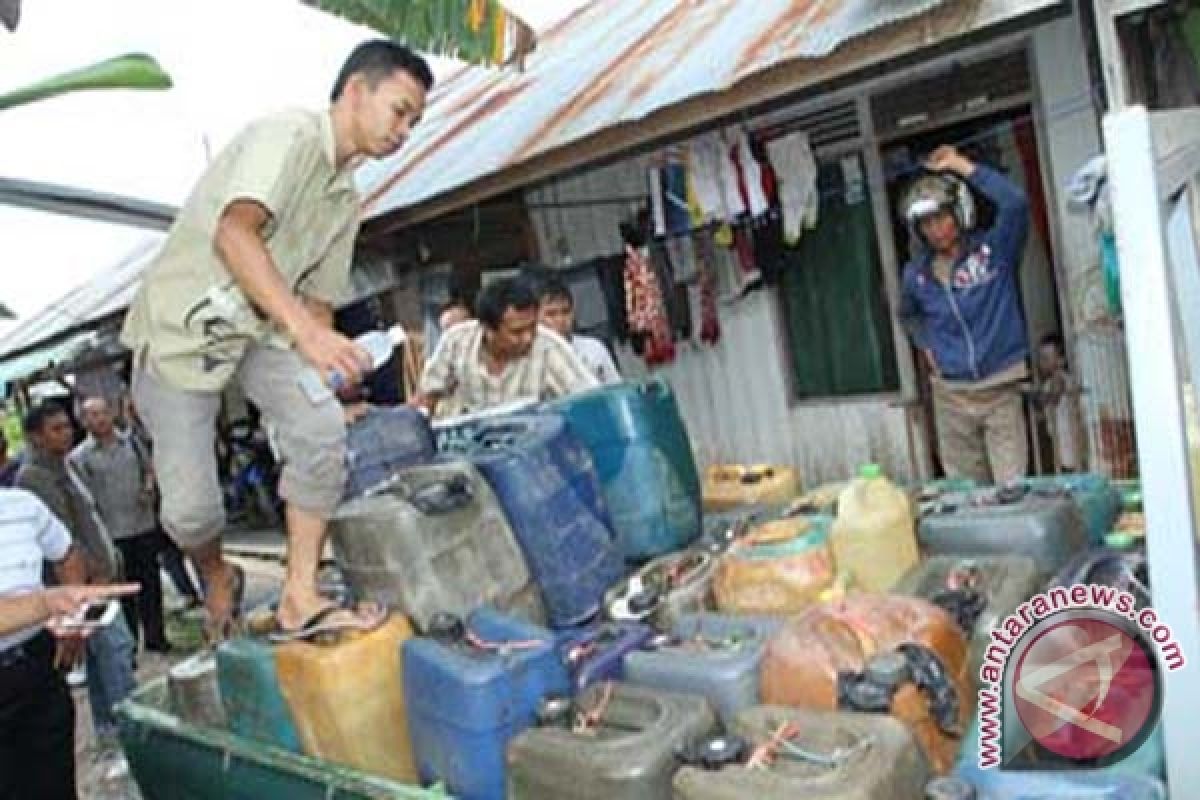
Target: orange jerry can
(728, 486)
(882, 654)
(347, 699)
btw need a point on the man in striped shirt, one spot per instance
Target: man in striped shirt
(502, 357)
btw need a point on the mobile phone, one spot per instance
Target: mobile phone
(94, 616)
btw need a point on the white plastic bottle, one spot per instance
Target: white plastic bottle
(380, 344)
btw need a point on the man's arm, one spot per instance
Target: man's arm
(1008, 233)
(24, 610)
(240, 245)
(566, 373)
(438, 378)
(912, 319)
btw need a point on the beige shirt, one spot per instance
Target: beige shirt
(457, 374)
(189, 321)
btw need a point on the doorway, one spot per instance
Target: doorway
(1007, 141)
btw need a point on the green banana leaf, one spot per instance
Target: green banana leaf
(433, 26)
(133, 71)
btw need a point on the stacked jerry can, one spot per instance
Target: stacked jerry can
(545, 482)
(433, 539)
(472, 686)
(644, 462)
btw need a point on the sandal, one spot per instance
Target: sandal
(319, 624)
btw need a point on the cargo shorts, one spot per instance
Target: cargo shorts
(311, 441)
(981, 433)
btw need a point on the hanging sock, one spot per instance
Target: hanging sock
(749, 277)
(705, 174)
(710, 325)
(796, 172)
(658, 213)
(731, 195)
(750, 179)
(695, 208)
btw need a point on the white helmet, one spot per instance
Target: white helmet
(939, 191)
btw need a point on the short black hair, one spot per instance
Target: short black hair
(377, 59)
(499, 296)
(1054, 340)
(37, 416)
(554, 288)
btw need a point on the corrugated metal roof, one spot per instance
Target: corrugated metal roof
(106, 294)
(612, 63)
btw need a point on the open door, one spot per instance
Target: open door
(1005, 141)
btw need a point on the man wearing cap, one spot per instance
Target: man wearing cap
(960, 305)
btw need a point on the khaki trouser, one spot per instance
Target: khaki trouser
(311, 440)
(981, 433)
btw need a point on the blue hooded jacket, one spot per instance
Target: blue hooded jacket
(973, 326)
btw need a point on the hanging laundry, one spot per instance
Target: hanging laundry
(657, 212)
(710, 325)
(663, 264)
(611, 271)
(770, 183)
(703, 154)
(731, 195)
(646, 313)
(749, 277)
(695, 209)
(678, 220)
(683, 259)
(796, 172)
(749, 175)
(769, 253)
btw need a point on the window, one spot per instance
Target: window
(838, 327)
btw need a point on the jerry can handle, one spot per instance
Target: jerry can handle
(444, 496)
(654, 386)
(500, 437)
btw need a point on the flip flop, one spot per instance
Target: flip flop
(319, 624)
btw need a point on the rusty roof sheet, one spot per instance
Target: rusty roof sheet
(610, 62)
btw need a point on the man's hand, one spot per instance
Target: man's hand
(329, 351)
(62, 601)
(354, 412)
(947, 159)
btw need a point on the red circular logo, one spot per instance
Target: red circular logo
(1085, 688)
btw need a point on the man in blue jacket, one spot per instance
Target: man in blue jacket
(960, 304)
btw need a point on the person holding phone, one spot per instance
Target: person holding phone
(37, 715)
(48, 474)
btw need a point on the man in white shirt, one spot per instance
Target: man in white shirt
(556, 310)
(37, 715)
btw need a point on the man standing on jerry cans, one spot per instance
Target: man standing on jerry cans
(243, 290)
(960, 304)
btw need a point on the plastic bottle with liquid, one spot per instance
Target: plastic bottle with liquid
(873, 536)
(379, 344)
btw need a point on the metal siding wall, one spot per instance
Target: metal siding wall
(734, 396)
(734, 399)
(1071, 136)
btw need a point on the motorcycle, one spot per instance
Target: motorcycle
(252, 475)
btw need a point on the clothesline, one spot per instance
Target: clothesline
(1068, 106)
